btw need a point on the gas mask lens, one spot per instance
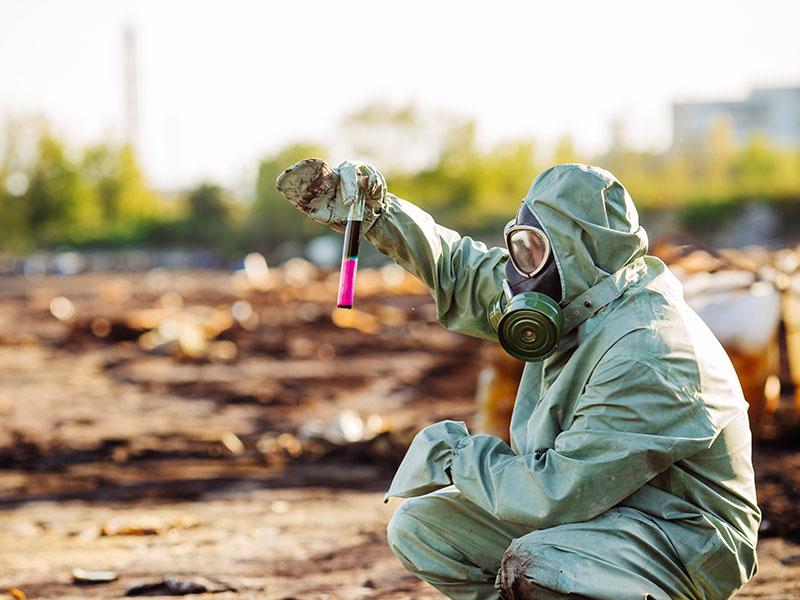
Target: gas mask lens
(528, 248)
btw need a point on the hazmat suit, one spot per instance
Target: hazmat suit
(629, 471)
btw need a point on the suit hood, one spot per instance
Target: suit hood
(592, 224)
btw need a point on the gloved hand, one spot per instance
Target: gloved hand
(326, 194)
(426, 466)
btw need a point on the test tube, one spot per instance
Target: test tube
(347, 275)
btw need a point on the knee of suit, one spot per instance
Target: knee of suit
(403, 528)
(516, 579)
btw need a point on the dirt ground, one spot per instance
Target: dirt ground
(239, 436)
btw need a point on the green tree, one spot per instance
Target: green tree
(565, 152)
(14, 233)
(114, 177)
(763, 170)
(719, 160)
(48, 198)
(209, 215)
(469, 188)
(58, 203)
(271, 220)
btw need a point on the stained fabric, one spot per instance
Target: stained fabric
(630, 454)
(326, 195)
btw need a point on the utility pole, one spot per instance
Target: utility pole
(131, 87)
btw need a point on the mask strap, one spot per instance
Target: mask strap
(603, 293)
(507, 290)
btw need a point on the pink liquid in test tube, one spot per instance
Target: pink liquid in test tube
(347, 276)
(347, 283)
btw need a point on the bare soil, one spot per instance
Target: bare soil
(258, 475)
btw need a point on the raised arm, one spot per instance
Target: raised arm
(462, 274)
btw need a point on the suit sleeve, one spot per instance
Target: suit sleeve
(462, 275)
(631, 423)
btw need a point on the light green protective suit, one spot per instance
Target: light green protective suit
(629, 472)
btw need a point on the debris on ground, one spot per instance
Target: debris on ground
(174, 586)
(86, 577)
(345, 427)
(145, 525)
(253, 442)
(749, 298)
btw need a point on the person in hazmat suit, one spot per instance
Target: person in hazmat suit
(629, 473)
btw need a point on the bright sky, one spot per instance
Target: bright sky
(222, 83)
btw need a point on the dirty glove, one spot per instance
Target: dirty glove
(326, 194)
(426, 466)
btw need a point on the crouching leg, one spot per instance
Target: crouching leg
(451, 543)
(619, 555)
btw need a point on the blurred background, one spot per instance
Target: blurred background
(181, 403)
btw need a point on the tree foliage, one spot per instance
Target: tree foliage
(51, 194)
(272, 221)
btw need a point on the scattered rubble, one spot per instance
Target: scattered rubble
(174, 586)
(145, 525)
(84, 577)
(156, 403)
(750, 299)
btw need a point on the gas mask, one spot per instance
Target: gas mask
(526, 314)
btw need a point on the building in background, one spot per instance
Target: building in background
(772, 112)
